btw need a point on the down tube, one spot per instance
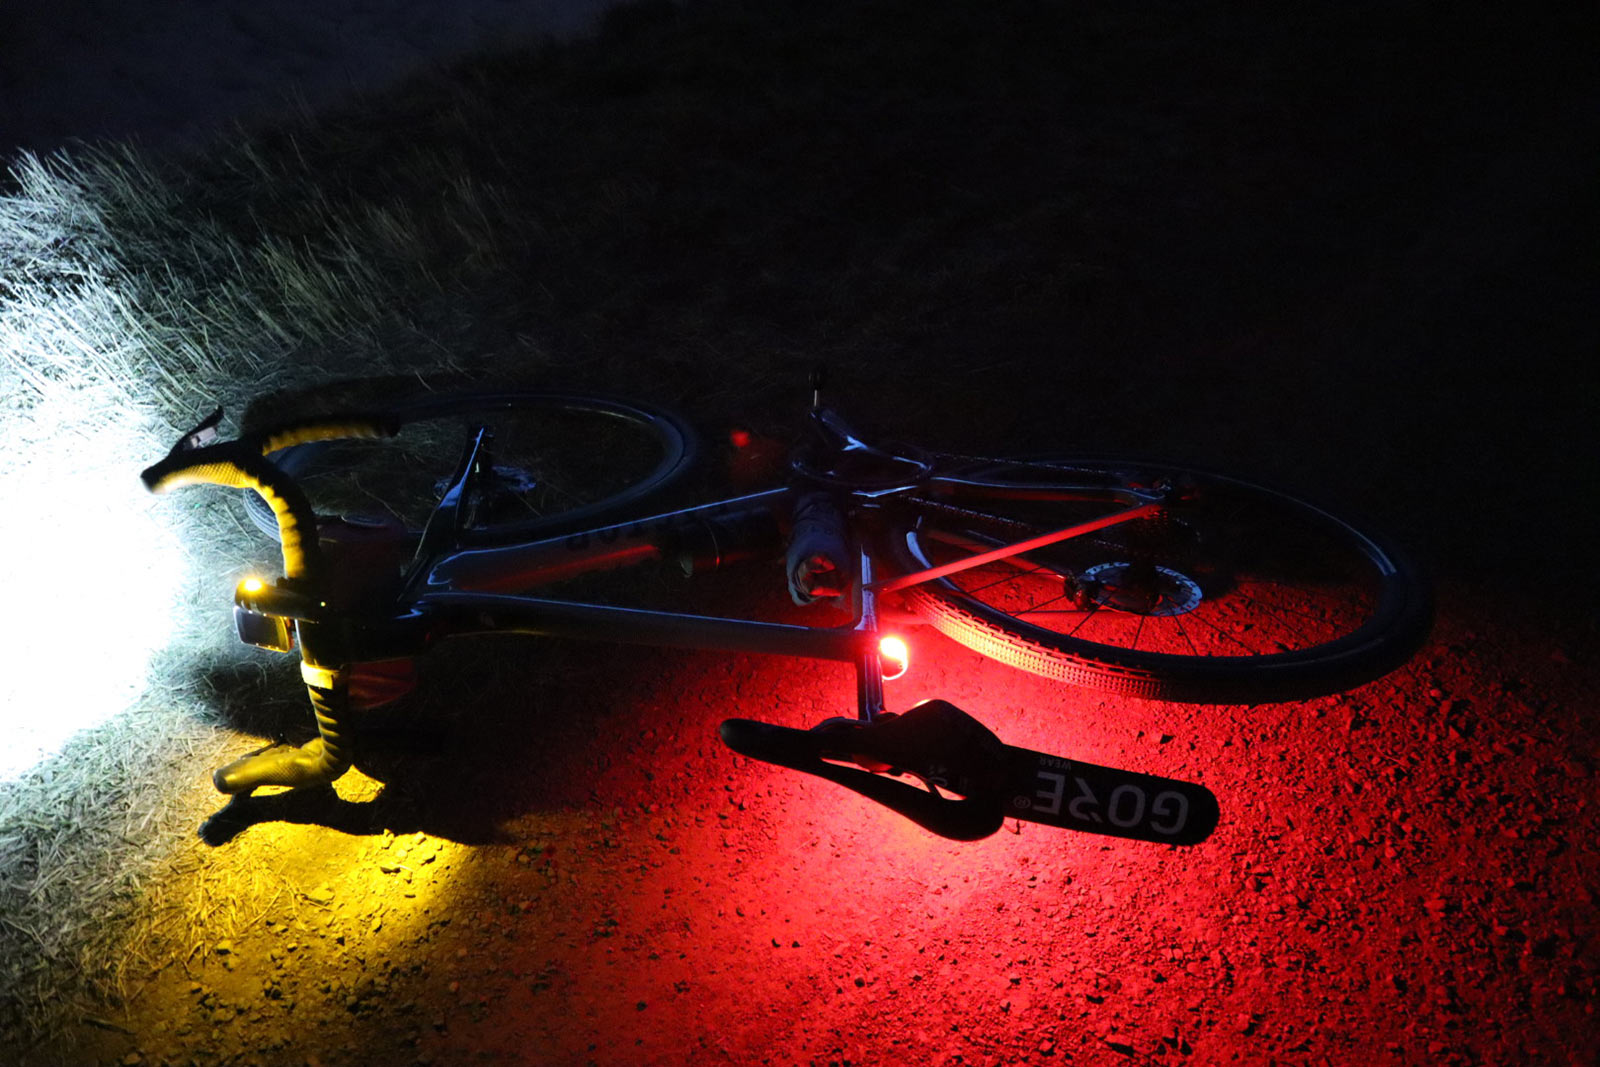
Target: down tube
(460, 614)
(516, 567)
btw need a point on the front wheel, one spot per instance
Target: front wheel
(1231, 592)
(558, 461)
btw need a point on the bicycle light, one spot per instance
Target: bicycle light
(256, 627)
(893, 656)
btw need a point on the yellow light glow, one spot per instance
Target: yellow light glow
(894, 656)
(252, 586)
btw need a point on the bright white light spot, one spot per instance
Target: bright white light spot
(73, 511)
(894, 656)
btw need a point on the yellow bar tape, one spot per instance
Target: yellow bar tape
(290, 436)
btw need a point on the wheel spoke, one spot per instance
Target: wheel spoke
(1183, 632)
(974, 590)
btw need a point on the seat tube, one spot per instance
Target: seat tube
(869, 663)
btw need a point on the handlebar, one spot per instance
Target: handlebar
(317, 762)
(241, 464)
(200, 459)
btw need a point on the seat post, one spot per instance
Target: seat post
(869, 662)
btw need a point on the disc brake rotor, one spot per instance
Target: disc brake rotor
(1141, 589)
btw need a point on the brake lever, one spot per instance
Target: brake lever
(202, 435)
(448, 519)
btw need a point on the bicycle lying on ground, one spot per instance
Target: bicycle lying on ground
(1139, 578)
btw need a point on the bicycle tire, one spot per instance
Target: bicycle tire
(1247, 594)
(563, 460)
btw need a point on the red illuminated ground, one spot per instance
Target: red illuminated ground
(1401, 876)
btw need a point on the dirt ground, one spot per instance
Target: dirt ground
(549, 858)
(1402, 874)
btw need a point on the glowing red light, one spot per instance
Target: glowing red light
(739, 438)
(894, 656)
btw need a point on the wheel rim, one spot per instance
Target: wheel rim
(558, 461)
(1317, 599)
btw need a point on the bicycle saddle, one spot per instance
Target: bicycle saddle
(972, 781)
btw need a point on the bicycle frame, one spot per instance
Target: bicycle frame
(471, 591)
(459, 589)
(349, 621)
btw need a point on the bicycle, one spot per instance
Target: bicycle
(1141, 578)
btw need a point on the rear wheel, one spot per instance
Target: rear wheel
(559, 461)
(1233, 593)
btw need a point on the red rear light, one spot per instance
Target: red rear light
(894, 656)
